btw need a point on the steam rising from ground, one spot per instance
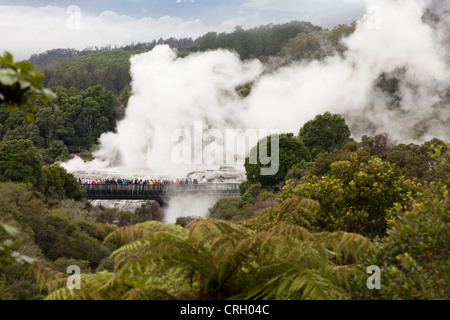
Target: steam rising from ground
(188, 206)
(171, 93)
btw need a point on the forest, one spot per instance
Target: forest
(336, 206)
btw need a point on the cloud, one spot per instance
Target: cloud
(327, 13)
(28, 30)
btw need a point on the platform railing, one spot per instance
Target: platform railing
(145, 191)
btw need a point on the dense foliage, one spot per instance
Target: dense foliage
(263, 41)
(414, 254)
(75, 118)
(356, 197)
(317, 45)
(216, 259)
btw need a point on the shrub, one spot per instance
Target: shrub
(413, 257)
(226, 209)
(357, 197)
(148, 211)
(62, 264)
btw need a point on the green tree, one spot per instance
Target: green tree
(56, 150)
(20, 161)
(291, 151)
(60, 184)
(307, 46)
(325, 133)
(378, 145)
(226, 209)
(323, 161)
(317, 45)
(18, 85)
(148, 211)
(416, 161)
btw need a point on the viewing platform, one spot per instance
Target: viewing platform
(158, 193)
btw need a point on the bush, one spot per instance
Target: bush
(59, 237)
(61, 184)
(62, 264)
(413, 257)
(106, 264)
(184, 221)
(226, 209)
(250, 195)
(18, 283)
(357, 197)
(148, 211)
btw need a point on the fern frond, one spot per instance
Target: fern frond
(48, 278)
(135, 232)
(348, 247)
(207, 230)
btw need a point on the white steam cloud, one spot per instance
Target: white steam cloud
(188, 206)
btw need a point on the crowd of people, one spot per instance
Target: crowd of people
(150, 182)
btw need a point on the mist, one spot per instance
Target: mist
(188, 206)
(392, 38)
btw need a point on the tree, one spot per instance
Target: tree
(226, 209)
(291, 151)
(338, 33)
(323, 161)
(57, 150)
(378, 145)
(416, 161)
(317, 45)
(325, 133)
(61, 184)
(307, 46)
(20, 161)
(148, 211)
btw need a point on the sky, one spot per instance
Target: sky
(34, 26)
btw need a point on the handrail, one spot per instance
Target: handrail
(145, 191)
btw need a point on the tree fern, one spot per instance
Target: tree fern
(135, 232)
(215, 259)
